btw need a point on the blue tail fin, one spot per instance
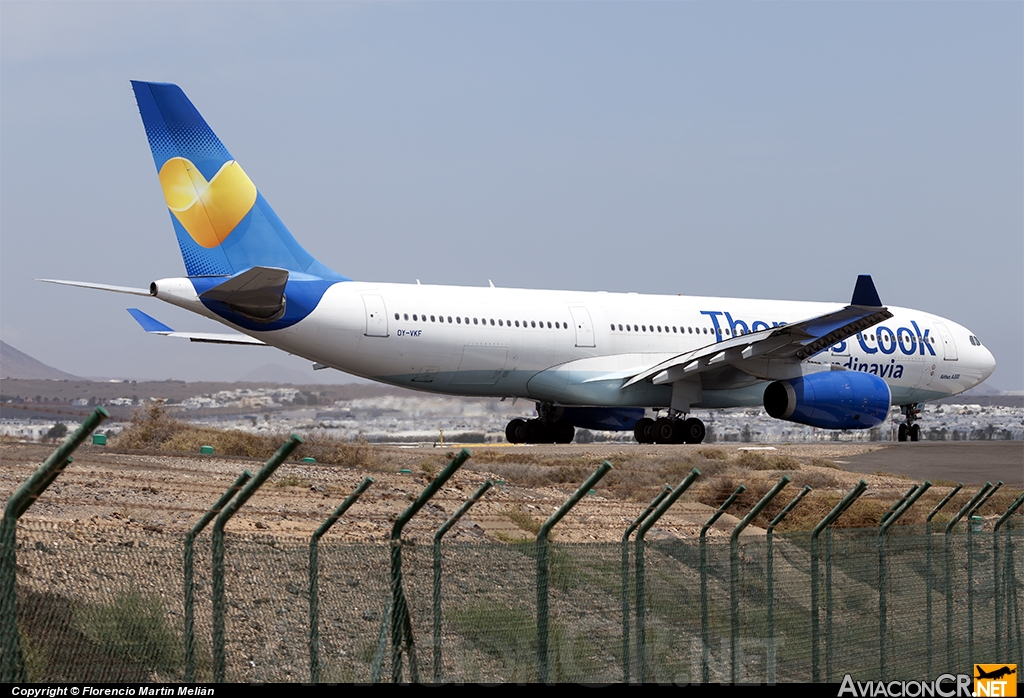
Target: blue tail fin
(224, 225)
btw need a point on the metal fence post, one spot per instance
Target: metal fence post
(970, 571)
(705, 632)
(542, 568)
(830, 518)
(218, 549)
(401, 623)
(929, 579)
(949, 566)
(997, 596)
(770, 573)
(626, 661)
(734, 571)
(897, 504)
(913, 494)
(314, 577)
(641, 583)
(189, 585)
(13, 667)
(445, 527)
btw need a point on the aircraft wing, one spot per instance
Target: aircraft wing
(153, 326)
(791, 343)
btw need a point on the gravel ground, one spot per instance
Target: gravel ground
(169, 492)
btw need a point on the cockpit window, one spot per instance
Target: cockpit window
(975, 341)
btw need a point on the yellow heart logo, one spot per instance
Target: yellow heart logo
(209, 211)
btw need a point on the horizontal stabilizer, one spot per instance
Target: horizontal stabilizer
(101, 287)
(257, 293)
(149, 324)
(153, 326)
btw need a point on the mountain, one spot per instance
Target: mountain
(16, 364)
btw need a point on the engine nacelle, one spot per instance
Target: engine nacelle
(830, 400)
(602, 418)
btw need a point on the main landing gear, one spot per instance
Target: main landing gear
(546, 429)
(669, 430)
(538, 431)
(910, 429)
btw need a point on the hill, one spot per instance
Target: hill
(17, 364)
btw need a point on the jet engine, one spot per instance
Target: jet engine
(830, 400)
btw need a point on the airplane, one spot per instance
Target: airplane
(593, 360)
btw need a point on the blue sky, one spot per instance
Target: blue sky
(763, 150)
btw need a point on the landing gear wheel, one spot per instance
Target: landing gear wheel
(664, 431)
(564, 432)
(901, 433)
(642, 430)
(915, 432)
(515, 432)
(537, 432)
(693, 430)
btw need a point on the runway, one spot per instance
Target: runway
(970, 462)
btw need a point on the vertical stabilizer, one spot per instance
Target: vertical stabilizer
(224, 225)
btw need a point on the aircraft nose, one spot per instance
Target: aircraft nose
(988, 363)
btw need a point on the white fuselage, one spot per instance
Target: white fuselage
(578, 348)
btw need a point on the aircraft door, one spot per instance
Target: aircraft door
(584, 327)
(376, 316)
(948, 345)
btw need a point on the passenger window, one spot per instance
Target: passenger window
(549, 325)
(533, 324)
(517, 323)
(458, 320)
(475, 322)
(397, 316)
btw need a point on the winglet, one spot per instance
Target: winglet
(864, 292)
(148, 323)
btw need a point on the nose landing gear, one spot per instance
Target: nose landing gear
(910, 430)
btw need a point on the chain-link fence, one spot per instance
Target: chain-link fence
(108, 606)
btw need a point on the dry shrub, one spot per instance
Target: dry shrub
(714, 491)
(152, 429)
(815, 479)
(334, 451)
(758, 460)
(522, 520)
(825, 463)
(500, 458)
(712, 454)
